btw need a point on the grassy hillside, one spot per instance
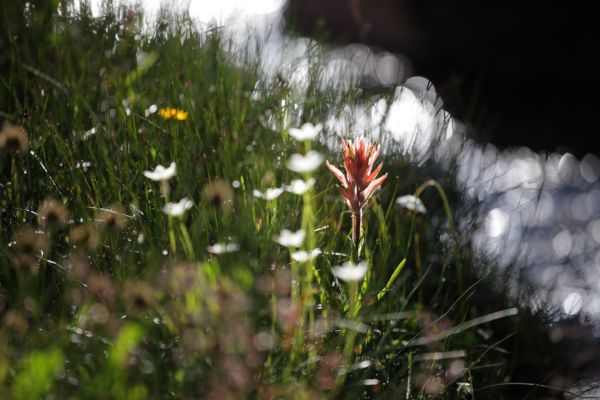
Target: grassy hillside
(105, 295)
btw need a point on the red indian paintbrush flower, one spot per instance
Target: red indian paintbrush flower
(360, 181)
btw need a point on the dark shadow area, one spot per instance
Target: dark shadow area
(518, 74)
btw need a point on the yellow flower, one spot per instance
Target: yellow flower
(173, 113)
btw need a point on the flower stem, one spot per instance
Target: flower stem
(172, 242)
(189, 248)
(356, 231)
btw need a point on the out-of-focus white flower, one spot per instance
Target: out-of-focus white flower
(305, 163)
(307, 131)
(304, 256)
(161, 173)
(221, 248)
(371, 382)
(179, 208)
(269, 194)
(411, 203)
(288, 238)
(350, 272)
(362, 365)
(464, 388)
(298, 186)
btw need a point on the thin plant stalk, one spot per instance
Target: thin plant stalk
(187, 241)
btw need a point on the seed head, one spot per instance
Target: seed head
(84, 237)
(138, 295)
(220, 194)
(14, 140)
(31, 242)
(52, 214)
(113, 218)
(15, 322)
(102, 287)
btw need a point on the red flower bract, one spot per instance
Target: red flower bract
(360, 181)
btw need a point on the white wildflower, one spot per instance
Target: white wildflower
(161, 173)
(371, 382)
(179, 208)
(299, 187)
(221, 248)
(351, 272)
(305, 163)
(288, 238)
(464, 388)
(307, 131)
(362, 365)
(411, 203)
(269, 194)
(304, 256)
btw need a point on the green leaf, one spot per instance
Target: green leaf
(129, 337)
(37, 375)
(392, 279)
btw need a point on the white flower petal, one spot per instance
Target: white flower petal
(161, 173)
(269, 194)
(304, 256)
(411, 203)
(221, 248)
(305, 163)
(179, 208)
(308, 131)
(288, 238)
(350, 272)
(299, 187)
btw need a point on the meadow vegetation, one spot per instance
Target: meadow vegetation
(215, 276)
